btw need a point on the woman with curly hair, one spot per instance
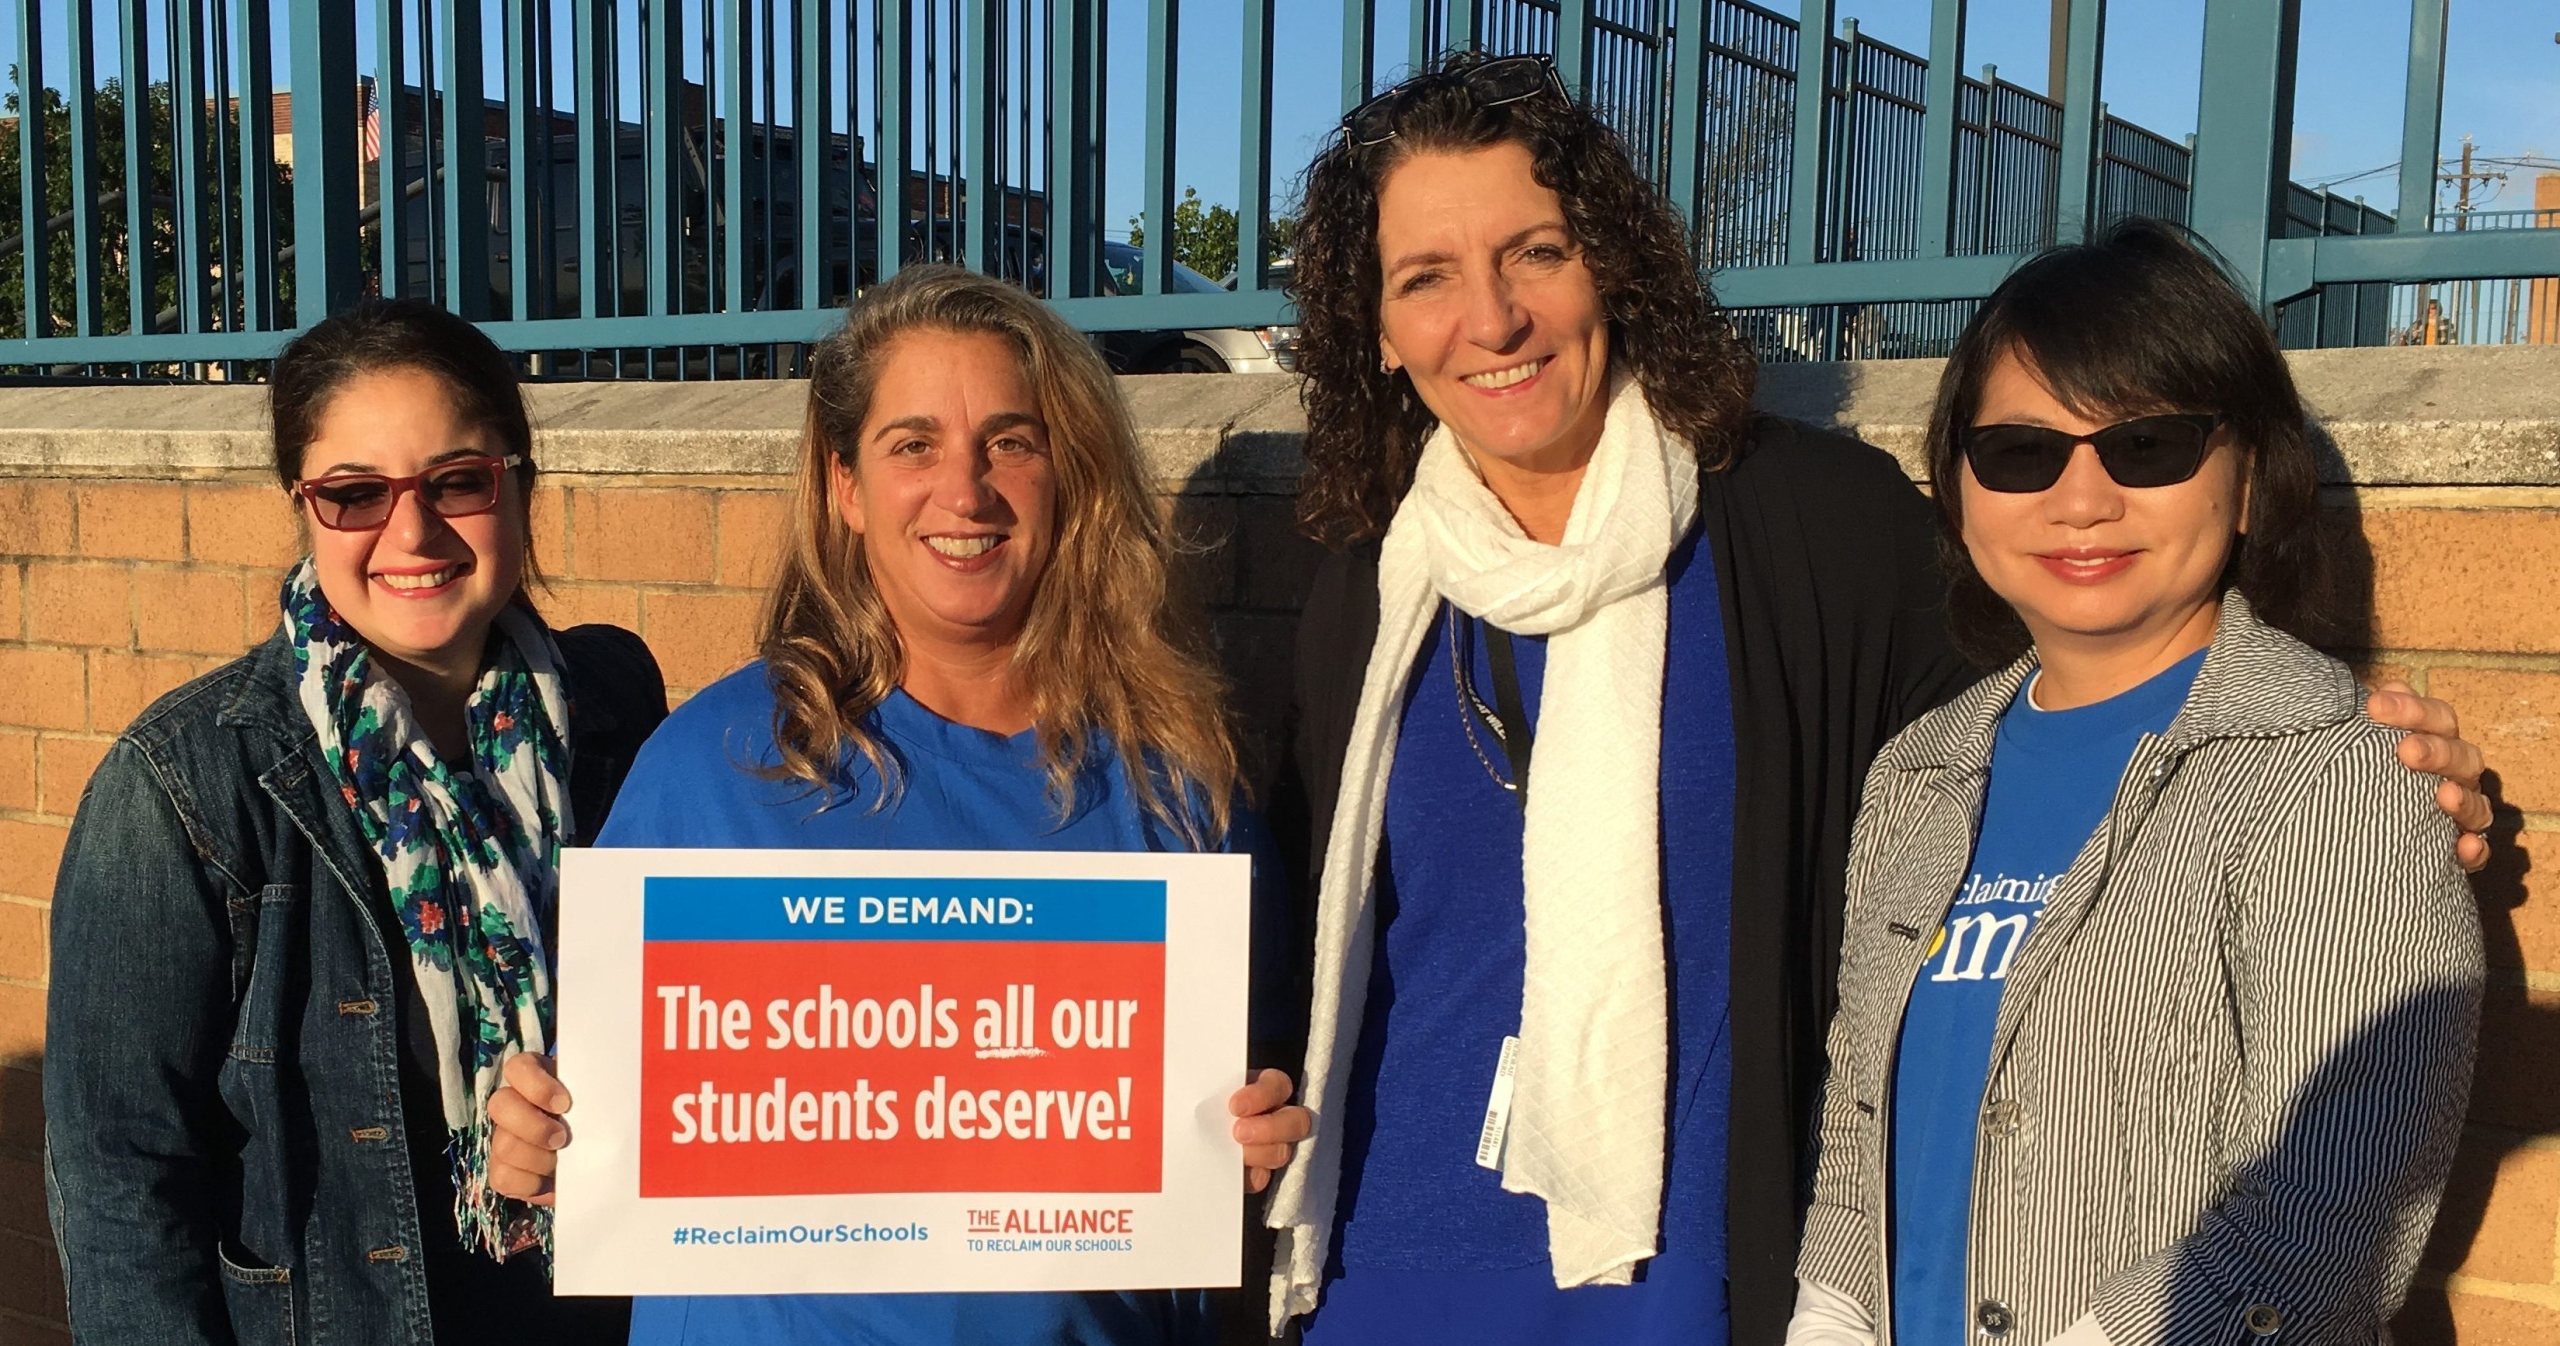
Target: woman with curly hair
(1584, 702)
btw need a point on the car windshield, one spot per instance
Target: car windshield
(1123, 262)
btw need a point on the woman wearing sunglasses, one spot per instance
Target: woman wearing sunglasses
(1583, 705)
(2158, 995)
(305, 911)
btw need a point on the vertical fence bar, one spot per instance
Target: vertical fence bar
(2422, 117)
(1253, 176)
(978, 192)
(1938, 126)
(256, 277)
(1073, 177)
(1809, 171)
(1460, 31)
(731, 234)
(80, 49)
(2243, 123)
(2082, 116)
(1359, 50)
(141, 288)
(599, 137)
(1688, 97)
(221, 162)
(813, 133)
(465, 198)
(661, 111)
(523, 82)
(34, 238)
(1163, 41)
(891, 68)
(326, 277)
(1573, 45)
(186, 158)
(391, 170)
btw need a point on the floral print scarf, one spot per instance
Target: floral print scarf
(472, 856)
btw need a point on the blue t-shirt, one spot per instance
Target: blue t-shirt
(2053, 777)
(1429, 1248)
(964, 789)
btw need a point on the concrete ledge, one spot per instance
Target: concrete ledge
(2440, 416)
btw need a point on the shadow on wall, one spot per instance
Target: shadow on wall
(31, 1296)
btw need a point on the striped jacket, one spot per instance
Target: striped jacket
(2229, 1069)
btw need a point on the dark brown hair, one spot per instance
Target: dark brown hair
(1106, 656)
(1366, 426)
(2140, 321)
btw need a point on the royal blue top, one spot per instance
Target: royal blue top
(1429, 1247)
(2053, 777)
(964, 789)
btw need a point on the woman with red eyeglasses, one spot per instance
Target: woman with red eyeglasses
(306, 910)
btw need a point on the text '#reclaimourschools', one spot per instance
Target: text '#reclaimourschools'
(911, 1035)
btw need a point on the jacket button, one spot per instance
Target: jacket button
(356, 1008)
(2263, 1321)
(2003, 1117)
(388, 1253)
(1993, 1318)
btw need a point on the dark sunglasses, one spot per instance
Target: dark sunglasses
(457, 488)
(2145, 451)
(1505, 79)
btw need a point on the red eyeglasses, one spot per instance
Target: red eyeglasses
(352, 502)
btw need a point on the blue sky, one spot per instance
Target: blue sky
(2502, 83)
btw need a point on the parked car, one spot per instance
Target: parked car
(1212, 350)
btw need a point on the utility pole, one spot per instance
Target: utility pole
(2462, 186)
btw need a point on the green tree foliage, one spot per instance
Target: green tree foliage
(1205, 235)
(113, 250)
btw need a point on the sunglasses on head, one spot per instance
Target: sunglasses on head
(2144, 451)
(456, 488)
(1505, 79)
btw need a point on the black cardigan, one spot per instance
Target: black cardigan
(1836, 639)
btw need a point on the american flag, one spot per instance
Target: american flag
(371, 135)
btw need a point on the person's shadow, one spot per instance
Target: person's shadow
(23, 1222)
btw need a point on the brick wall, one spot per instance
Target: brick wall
(115, 589)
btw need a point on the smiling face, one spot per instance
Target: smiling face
(953, 491)
(421, 589)
(2091, 564)
(1488, 307)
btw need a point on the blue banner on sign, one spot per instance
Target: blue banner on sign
(1091, 911)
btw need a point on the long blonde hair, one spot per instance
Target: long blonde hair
(1103, 652)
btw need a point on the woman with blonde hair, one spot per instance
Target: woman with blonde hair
(970, 647)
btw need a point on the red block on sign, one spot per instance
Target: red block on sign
(799, 1067)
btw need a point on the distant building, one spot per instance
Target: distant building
(2542, 323)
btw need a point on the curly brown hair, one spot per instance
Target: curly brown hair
(1365, 425)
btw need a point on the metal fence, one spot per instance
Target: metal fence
(687, 188)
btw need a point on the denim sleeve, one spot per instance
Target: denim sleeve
(137, 1023)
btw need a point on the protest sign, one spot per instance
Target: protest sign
(853, 1071)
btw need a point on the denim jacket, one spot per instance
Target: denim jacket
(224, 1154)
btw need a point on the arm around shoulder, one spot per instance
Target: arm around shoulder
(138, 1021)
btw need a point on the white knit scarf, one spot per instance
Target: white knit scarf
(1586, 1129)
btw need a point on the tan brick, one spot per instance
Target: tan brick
(21, 1103)
(752, 537)
(80, 603)
(30, 855)
(550, 520)
(122, 686)
(2520, 902)
(141, 521)
(699, 637)
(570, 604)
(2376, 674)
(2519, 1057)
(64, 771)
(22, 1028)
(2465, 579)
(242, 525)
(22, 945)
(22, 1195)
(2500, 1212)
(17, 770)
(43, 689)
(2480, 1320)
(13, 606)
(642, 534)
(261, 605)
(197, 611)
(35, 519)
(30, 1276)
(2515, 718)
